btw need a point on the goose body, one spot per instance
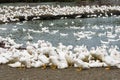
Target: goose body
(111, 61)
(3, 60)
(81, 64)
(37, 64)
(16, 64)
(43, 59)
(28, 37)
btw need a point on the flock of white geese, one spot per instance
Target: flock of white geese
(43, 54)
(13, 13)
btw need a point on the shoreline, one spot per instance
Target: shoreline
(46, 12)
(78, 2)
(8, 73)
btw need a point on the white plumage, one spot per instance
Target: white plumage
(81, 64)
(16, 64)
(42, 54)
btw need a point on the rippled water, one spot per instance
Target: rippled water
(41, 3)
(66, 29)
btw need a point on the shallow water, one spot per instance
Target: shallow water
(64, 31)
(39, 3)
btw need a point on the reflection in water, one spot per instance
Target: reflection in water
(89, 31)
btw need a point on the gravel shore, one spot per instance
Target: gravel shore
(8, 73)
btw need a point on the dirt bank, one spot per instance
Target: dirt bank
(7, 73)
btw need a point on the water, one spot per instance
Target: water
(96, 29)
(40, 3)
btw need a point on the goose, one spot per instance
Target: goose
(114, 53)
(53, 52)
(44, 59)
(66, 23)
(41, 24)
(29, 37)
(3, 29)
(110, 62)
(113, 40)
(30, 49)
(104, 42)
(63, 64)
(25, 61)
(78, 16)
(37, 64)
(51, 24)
(99, 53)
(73, 22)
(3, 60)
(97, 63)
(48, 50)
(57, 63)
(45, 29)
(83, 57)
(62, 18)
(10, 41)
(13, 56)
(63, 34)
(54, 62)
(70, 58)
(82, 53)
(16, 64)
(110, 35)
(54, 32)
(61, 46)
(62, 60)
(17, 45)
(6, 56)
(81, 64)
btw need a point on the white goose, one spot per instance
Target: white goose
(62, 60)
(37, 63)
(111, 62)
(29, 37)
(16, 64)
(31, 49)
(69, 58)
(54, 62)
(81, 64)
(3, 60)
(44, 59)
(51, 24)
(114, 53)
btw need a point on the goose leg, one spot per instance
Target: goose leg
(22, 66)
(79, 69)
(70, 65)
(53, 67)
(108, 68)
(44, 66)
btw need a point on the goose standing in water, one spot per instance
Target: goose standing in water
(28, 37)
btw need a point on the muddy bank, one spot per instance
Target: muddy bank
(7, 73)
